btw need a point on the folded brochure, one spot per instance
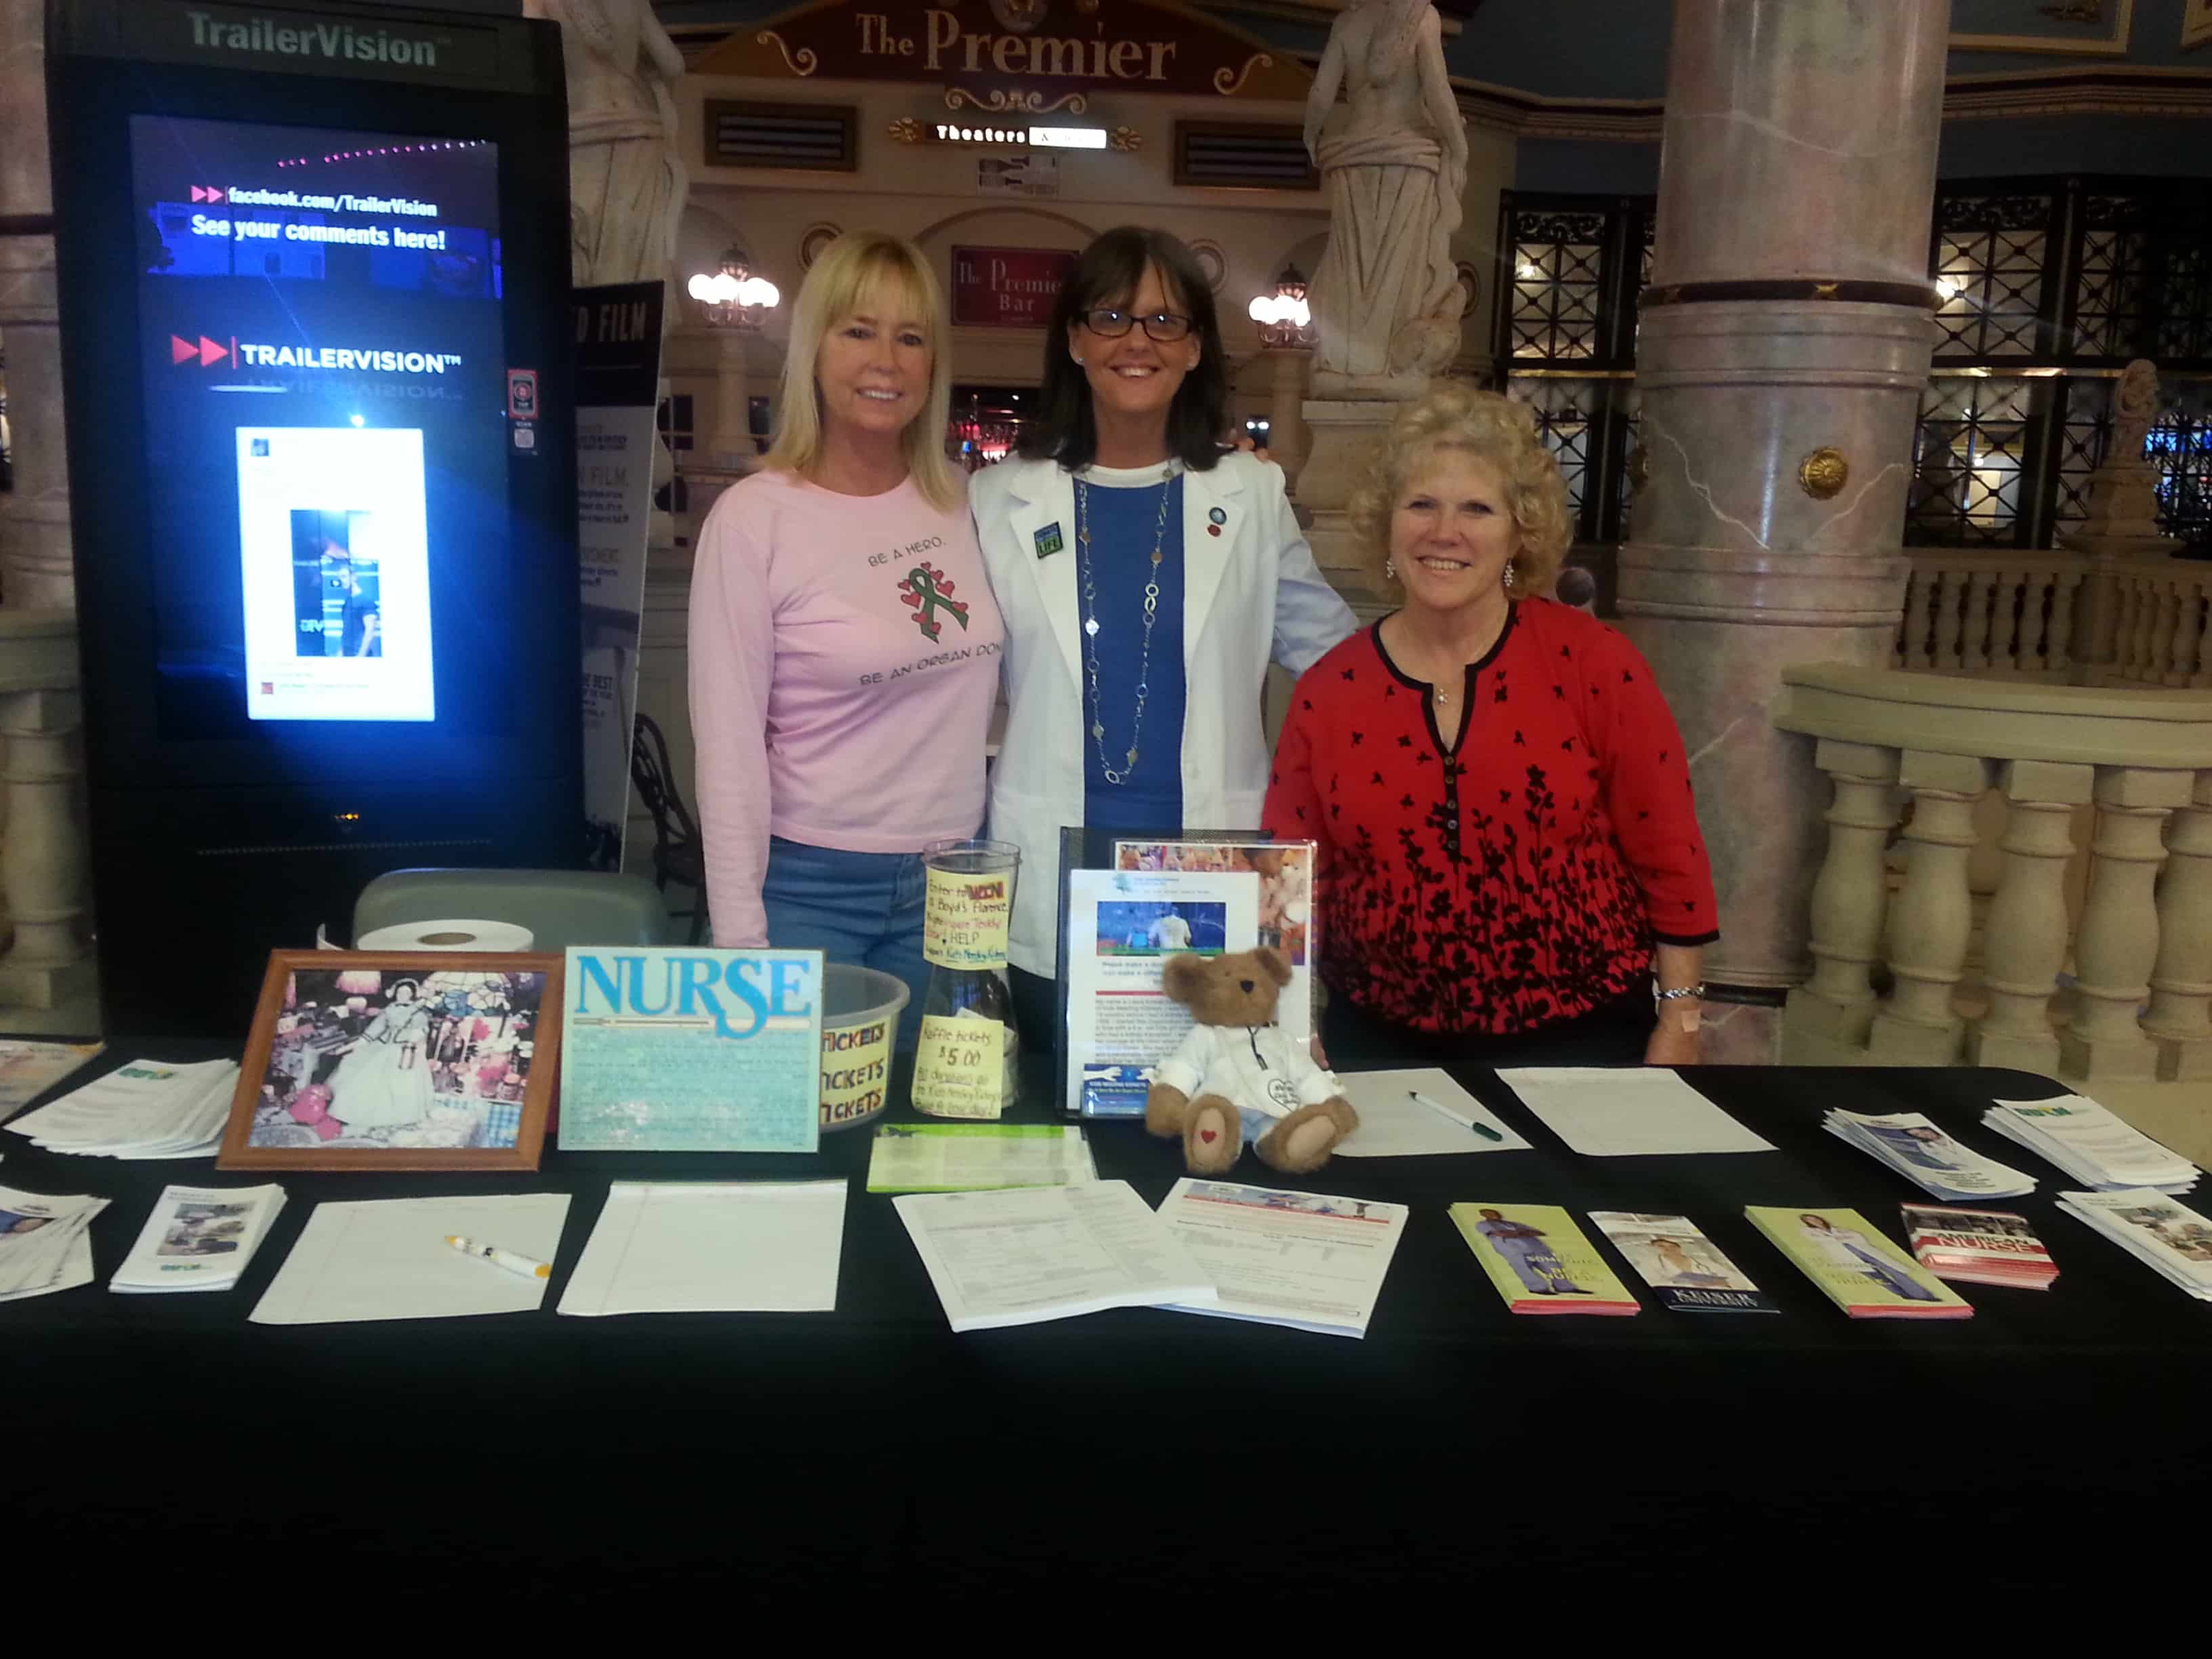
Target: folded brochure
(1539, 1259)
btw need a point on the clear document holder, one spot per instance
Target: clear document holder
(1193, 890)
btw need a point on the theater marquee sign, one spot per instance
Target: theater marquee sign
(1032, 55)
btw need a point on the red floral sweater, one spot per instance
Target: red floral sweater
(1519, 879)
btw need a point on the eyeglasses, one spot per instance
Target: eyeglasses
(1164, 327)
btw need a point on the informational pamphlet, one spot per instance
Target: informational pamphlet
(1304, 1260)
(146, 1109)
(959, 1157)
(1040, 1253)
(198, 1238)
(1687, 1269)
(691, 1050)
(1122, 926)
(43, 1244)
(2090, 1143)
(1854, 1265)
(1979, 1247)
(27, 1070)
(1917, 1148)
(2163, 1234)
(1539, 1260)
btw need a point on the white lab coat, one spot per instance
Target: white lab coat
(1250, 594)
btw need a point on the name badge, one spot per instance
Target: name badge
(1048, 540)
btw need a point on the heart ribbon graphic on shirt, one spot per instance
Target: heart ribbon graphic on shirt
(925, 592)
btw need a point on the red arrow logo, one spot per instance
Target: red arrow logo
(182, 350)
(210, 353)
(206, 193)
(213, 195)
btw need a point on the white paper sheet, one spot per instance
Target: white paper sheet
(1303, 1260)
(1392, 1124)
(388, 1259)
(713, 1247)
(1628, 1111)
(1039, 1252)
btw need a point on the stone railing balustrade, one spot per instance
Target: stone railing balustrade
(2141, 954)
(2020, 616)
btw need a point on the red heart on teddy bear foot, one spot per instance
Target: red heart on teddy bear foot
(1209, 1136)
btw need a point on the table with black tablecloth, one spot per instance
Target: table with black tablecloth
(769, 1451)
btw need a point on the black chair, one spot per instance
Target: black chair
(678, 853)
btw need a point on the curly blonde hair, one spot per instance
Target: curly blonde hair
(1459, 415)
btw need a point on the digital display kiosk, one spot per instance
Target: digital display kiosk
(314, 269)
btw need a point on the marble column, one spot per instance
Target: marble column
(1286, 424)
(35, 571)
(732, 429)
(1784, 345)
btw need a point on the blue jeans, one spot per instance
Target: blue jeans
(863, 909)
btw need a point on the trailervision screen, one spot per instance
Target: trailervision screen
(324, 415)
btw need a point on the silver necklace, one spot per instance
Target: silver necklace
(1090, 625)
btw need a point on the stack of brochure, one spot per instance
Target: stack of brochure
(1539, 1260)
(1854, 1266)
(149, 1108)
(2088, 1143)
(1928, 1157)
(2171, 1237)
(1979, 1247)
(198, 1238)
(43, 1245)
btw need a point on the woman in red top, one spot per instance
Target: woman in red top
(1510, 866)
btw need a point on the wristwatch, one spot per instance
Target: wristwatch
(1693, 1016)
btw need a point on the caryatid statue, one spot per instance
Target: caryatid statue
(1392, 161)
(626, 180)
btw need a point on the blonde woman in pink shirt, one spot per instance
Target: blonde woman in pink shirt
(845, 646)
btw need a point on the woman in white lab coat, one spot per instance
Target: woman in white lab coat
(1147, 574)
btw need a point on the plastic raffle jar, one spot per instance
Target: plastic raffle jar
(965, 1065)
(860, 1009)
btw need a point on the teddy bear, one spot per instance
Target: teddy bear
(1238, 1075)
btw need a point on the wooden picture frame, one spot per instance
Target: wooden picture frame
(490, 1035)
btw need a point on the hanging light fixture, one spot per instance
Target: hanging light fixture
(1285, 321)
(734, 297)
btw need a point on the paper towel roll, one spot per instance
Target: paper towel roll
(462, 934)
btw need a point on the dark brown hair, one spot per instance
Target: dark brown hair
(1107, 273)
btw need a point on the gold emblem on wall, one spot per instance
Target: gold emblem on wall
(1823, 472)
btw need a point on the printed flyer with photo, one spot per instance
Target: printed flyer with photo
(1122, 927)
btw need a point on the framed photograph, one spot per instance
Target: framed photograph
(397, 1060)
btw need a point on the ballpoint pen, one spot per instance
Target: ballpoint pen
(1482, 1129)
(507, 1259)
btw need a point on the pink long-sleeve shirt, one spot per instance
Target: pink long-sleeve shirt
(844, 662)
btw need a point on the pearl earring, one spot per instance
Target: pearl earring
(1389, 569)
(1079, 362)
(1509, 574)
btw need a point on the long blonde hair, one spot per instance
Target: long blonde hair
(854, 266)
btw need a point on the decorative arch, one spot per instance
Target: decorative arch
(994, 209)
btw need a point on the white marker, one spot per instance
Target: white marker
(1461, 1118)
(497, 1257)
